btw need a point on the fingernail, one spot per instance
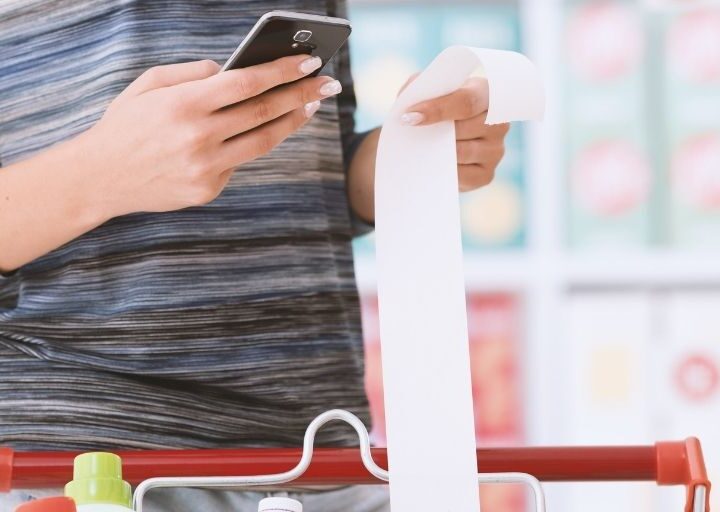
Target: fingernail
(412, 118)
(310, 65)
(311, 108)
(330, 88)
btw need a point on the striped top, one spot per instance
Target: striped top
(231, 324)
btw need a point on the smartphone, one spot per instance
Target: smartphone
(283, 33)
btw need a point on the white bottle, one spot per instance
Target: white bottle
(97, 484)
(278, 504)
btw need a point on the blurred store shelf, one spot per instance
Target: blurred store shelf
(652, 269)
(592, 262)
(514, 270)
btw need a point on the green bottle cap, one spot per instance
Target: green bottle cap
(97, 479)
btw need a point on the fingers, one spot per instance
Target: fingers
(263, 139)
(475, 128)
(477, 160)
(259, 110)
(469, 101)
(475, 176)
(236, 85)
(479, 152)
(172, 74)
(480, 148)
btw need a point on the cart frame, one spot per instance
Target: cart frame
(666, 463)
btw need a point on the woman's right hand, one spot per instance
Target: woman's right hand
(172, 138)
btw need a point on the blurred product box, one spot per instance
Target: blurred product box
(605, 387)
(686, 376)
(610, 174)
(393, 40)
(692, 125)
(494, 327)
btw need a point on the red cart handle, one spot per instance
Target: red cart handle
(667, 463)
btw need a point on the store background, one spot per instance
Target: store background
(593, 260)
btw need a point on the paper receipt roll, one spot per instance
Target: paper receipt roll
(421, 291)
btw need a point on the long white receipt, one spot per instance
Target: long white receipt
(421, 292)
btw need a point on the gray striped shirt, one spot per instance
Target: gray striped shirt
(229, 324)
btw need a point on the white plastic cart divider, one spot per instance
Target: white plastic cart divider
(245, 482)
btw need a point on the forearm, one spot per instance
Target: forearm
(361, 178)
(45, 201)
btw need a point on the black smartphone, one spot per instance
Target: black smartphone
(282, 33)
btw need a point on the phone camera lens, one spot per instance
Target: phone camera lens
(302, 36)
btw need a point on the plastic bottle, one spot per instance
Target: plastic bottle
(97, 484)
(278, 504)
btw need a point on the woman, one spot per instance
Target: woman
(173, 276)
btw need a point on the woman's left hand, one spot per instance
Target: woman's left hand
(480, 147)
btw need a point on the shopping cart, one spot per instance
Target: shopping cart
(666, 463)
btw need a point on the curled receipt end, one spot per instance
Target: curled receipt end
(421, 289)
(516, 92)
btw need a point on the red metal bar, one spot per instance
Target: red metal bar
(25, 470)
(669, 463)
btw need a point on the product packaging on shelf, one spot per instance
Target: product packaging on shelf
(610, 174)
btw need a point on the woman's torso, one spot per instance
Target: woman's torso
(230, 324)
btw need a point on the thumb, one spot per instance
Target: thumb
(172, 74)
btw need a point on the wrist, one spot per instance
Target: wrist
(361, 178)
(89, 204)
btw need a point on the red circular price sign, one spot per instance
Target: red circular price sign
(694, 46)
(611, 177)
(605, 40)
(697, 377)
